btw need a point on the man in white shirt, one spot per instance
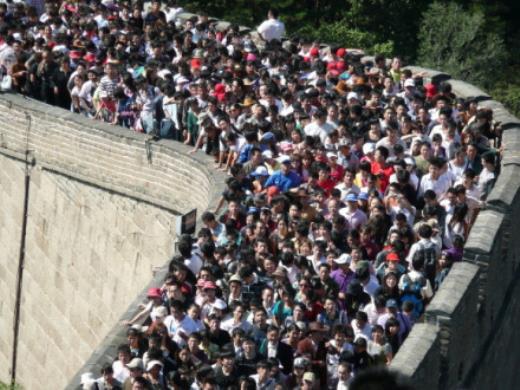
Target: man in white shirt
(436, 181)
(178, 324)
(121, 372)
(344, 376)
(319, 126)
(272, 28)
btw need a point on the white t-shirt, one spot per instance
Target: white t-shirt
(271, 29)
(121, 372)
(186, 326)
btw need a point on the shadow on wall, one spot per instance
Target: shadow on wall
(467, 340)
(102, 204)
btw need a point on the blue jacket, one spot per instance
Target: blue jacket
(283, 182)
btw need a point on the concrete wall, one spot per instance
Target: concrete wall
(11, 210)
(469, 337)
(102, 208)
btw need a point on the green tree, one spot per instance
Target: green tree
(341, 34)
(457, 41)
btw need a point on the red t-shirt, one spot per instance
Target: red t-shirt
(383, 173)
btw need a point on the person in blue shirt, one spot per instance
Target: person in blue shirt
(247, 150)
(285, 178)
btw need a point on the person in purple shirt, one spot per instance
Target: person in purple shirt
(343, 275)
(392, 310)
(285, 178)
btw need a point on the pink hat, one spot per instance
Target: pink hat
(251, 57)
(154, 292)
(210, 285)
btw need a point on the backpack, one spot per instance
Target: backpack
(429, 255)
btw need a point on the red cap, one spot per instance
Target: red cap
(315, 52)
(154, 292)
(331, 65)
(341, 52)
(196, 63)
(341, 66)
(75, 54)
(392, 256)
(90, 57)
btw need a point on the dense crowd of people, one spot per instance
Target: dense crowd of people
(352, 188)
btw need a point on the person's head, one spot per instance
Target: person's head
(272, 13)
(107, 372)
(139, 383)
(228, 359)
(361, 319)
(136, 368)
(425, 231)
(263, 369)
(177, 309)
(124, 354)
(238, 311)
(344, 372)
(273, 334)
(249, 346)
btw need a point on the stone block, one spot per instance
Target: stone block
(466, 90)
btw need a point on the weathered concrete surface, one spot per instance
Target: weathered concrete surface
(88, 253)
(11, 210)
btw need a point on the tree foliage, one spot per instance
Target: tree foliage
(470, 39)
(456, 41)
(339, 33)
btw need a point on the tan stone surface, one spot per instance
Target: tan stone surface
(11, 191)
(69, 303)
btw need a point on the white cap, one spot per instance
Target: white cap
(332, 155)
(153, 363)
(352, 95)
(369, 148)
(284, 159)
(267, 154)
(260, 171)
(219, 304)
(409, 83)
(343, 259)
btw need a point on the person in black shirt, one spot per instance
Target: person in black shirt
(155, 15)
(216, 335)
(60, 78)
(226, 374)
(247, 360)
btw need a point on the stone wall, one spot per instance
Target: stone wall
(11, 211)
(468, 338)
(103, 203)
